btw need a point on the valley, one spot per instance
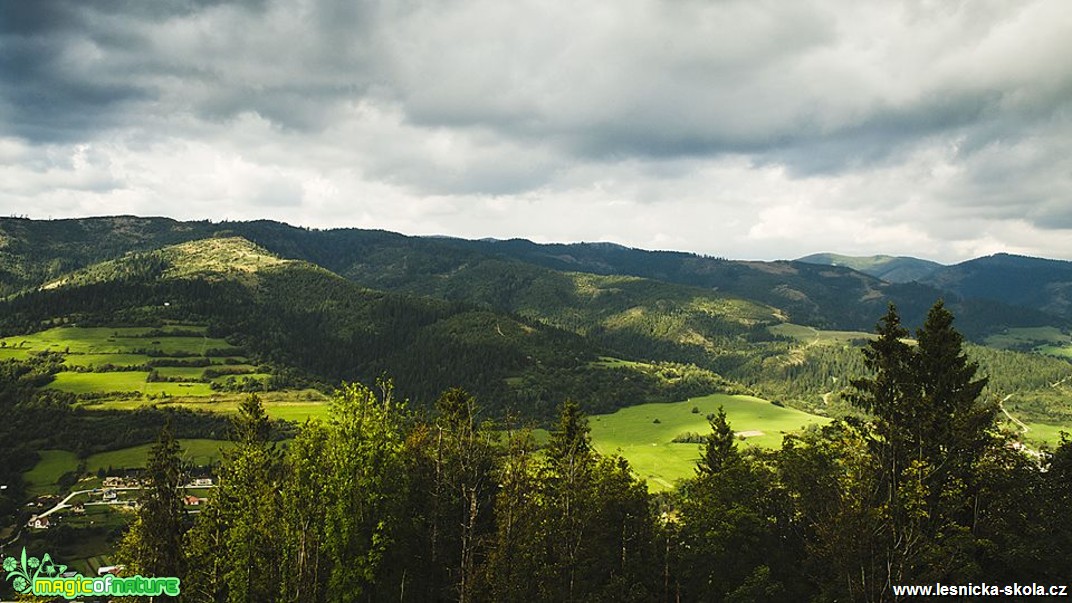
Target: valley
(177, 324)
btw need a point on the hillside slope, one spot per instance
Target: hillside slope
(1040, 284)
(294, 313)
(33, 253)
(892, 269)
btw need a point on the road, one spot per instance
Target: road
(63, 503)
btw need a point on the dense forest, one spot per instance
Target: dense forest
(36, 252)
(319, 329)
(381, 503)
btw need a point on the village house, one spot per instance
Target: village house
(113, 482)
(39, 523)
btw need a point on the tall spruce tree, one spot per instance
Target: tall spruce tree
(728, 528)
(153, 544)
(720, 449)
(956, 425)
(929, 431)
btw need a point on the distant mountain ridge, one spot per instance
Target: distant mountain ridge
(892, 269)
(824, 296)
(1043, 285)
(1037, 283)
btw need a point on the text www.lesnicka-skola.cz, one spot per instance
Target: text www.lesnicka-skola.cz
(981, 590)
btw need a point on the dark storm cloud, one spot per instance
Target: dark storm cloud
(71, 68)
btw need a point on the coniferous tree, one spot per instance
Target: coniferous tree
(720, 448)
(727, 525)
(237, 533)
(572, 525)
(153, 544)
(930, 433)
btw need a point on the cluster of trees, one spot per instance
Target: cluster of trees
(606, 388)
(376, 505)
(379, 504)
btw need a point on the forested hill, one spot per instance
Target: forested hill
(35, 252)
(1036, 283)
(297, 315)
(1025, 281)
(899, 269)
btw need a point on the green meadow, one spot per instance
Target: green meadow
(1051, 341)
(1043, 433)
(812, 335)
(14, 354)
(194, 452)
(117, 340)
(1029, 336)
(100, 360)
(93, 353)
(124, 381)
(53, 464)
(293, 405)
(1064, 351)
(644, 434)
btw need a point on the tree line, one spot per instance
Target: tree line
(382, 503)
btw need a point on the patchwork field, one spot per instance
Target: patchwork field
(290, 405)
(120, 362)
(812, 335)
(644, 434)
(1044, 340)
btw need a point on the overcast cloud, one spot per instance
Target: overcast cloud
(746, 129)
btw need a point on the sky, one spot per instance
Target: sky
(751, 129)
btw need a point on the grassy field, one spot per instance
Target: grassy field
(1064, 351)
(196, 452)
(294, 406)
(1051, 341)
(124, 381)
(13, 354)
(1043, 433)
(98, 360)
(53, 464)
(609, 362)
(90, 350)
(189, 373)
(116, 340)
(643, 434)
(812, 335)
(1028, 336)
